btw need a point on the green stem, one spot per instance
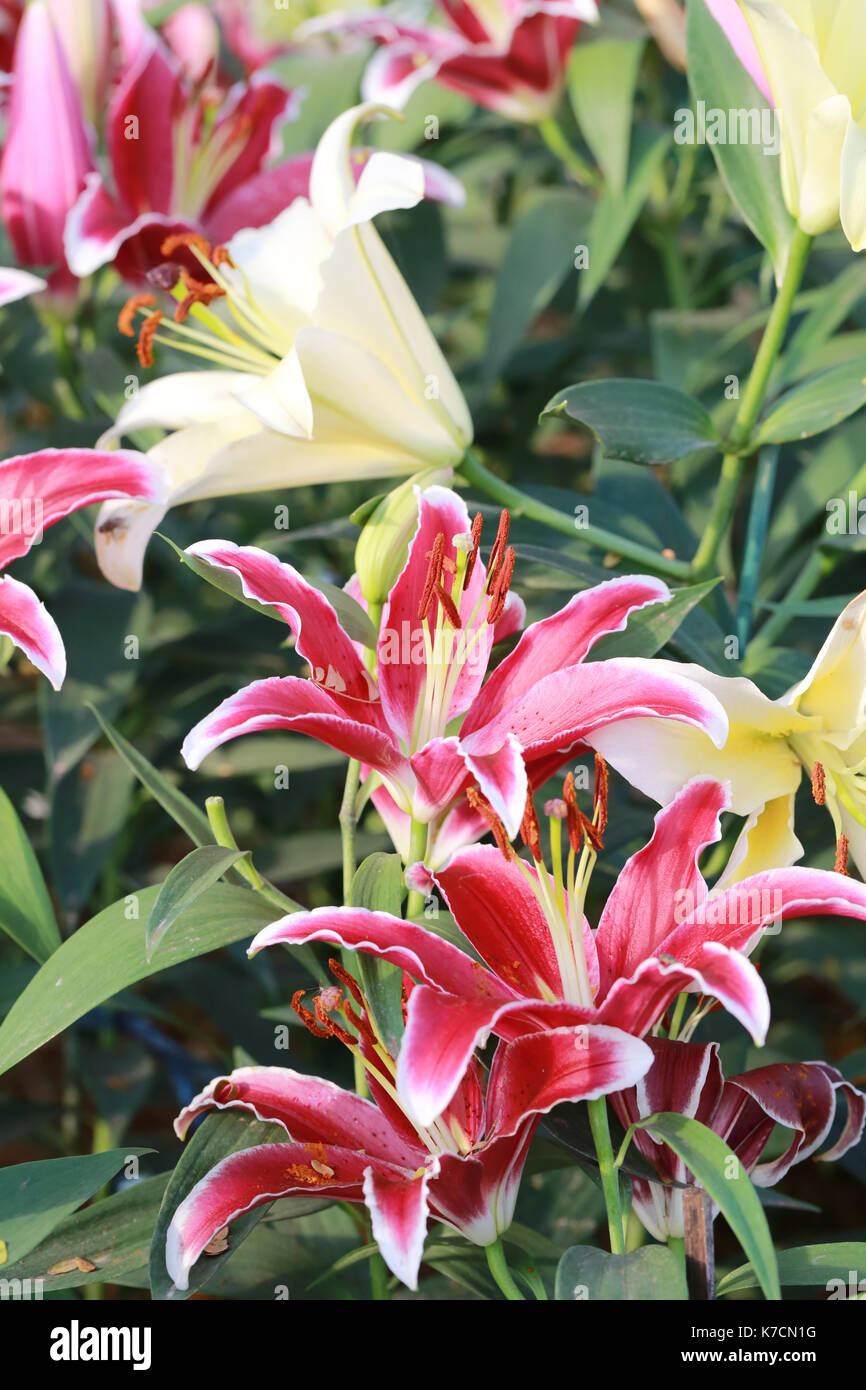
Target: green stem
(677, 1017)
(759, 517)
(417, 851)
(519, 504)
(501, 1273)
(349, 825)
(378, 1278)
(554, 138)
(609, 1176)
(224, 835)
(750, 405)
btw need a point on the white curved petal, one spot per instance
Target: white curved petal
(180, 399)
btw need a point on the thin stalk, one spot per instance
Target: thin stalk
(349, 825)
(224, 835)
(554, 138)
(501, 1273)
(609, 1176)
(759, 516)
(417, 851)
(817, 567)
(750, 405)
(519, 504)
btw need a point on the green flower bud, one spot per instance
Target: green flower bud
(384, 540)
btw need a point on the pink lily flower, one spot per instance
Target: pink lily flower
(37, 490)
(10, 18)
(687, 1078)
(509, 56)
(462, 1168)
(18, 284)
(179, 156)
(42, 175)
(660, 933)
(439, 624)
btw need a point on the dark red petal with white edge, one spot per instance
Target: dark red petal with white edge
(398, 1208)
(637, 1003)
(31, 627)
(661, 884)
(308, 1107)
(443, 771)
(254, 1176)
(37, 490)
(477, 1194)
(685, 1078)
(333, 660)
(532, 1074)
(562, 640)
(287, 702)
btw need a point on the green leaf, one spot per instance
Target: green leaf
(540, 252)
(87, 814)
(616, 212)
(353, 619)
(183, 811)
(751, 174)
(711, 1161)
(185, 884)
(832, 309)
(602, 77)
(26, 913)
(107, 955)
(641, 421)
(220, 1134)
(817, 405)
(651, 1274)
(807, 1264)
(113, 1234)
(378, 887)
(35, 1197)
(649, 629)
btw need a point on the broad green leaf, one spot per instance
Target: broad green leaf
(722, 1175)
(616, 212)
(353, 619)
(540, 251)
(221, 1133)
(807, 1264)
(183, 811)
(378, 886)
(641, 421)
(750, 171)
(89, 806)
(602, 76)
(569, 1126)
(26, 913)
(650, 628)
(114, 1235)
(107, 955)
(36, 1197)
(651, 1274)
(185, 883)
(816, 405)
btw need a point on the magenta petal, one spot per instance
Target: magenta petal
(731, 19)
(249, 1179)
(260, 198)
(307, 1107)
(477, 1194)
(37, 490)
(532, 1074)
(659, 880)
(320, 640)
(31, 627)
(398, 1208)
(636, 1004)
(140, 128)
(287, 702)
(251, 119)
(563, 640)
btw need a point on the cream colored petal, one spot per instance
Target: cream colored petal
(281, 401)
(840, 25)
(123, 530)
(856, 835)
(388, 181)
(281, 265)
(332, 179)
(766, 841)
(180, 399)
(278, 461)
(821, 176)
(835, 688)
(853, 196)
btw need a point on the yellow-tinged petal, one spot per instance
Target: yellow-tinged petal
(766, 841)
(835, 688)
(853, 200)
(821, 176)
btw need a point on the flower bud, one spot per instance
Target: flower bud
(383, 544)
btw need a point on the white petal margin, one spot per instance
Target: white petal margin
(333, 192)
(18, 284)
(31, 627)
(400, 1241)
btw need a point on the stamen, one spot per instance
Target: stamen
(144, 346)
(333, 1028)
(199, 293)
(556, 808)
(572, 814)
(434, 573)
(222, 256)
(498, 551)
(819, 784)
(190, 240)
(841, 864)
(307, 1017)
(449, 606)
(529, 830)
(126, 317)
(476, 541)
(348, 981)
(477, 802)
(600, 793)
(503, 584)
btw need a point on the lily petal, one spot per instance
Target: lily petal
(32, 628)
(398, 1208)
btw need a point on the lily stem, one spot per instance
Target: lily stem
(520, 504)
(501, 1273)
(349, 825)
(417, 851)
(224, 835)
(751, 401)
(609, 1176)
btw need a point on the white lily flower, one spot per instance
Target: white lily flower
(327, 369)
